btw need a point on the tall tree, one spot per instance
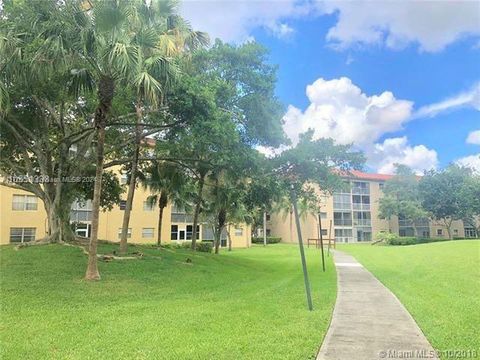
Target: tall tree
(442, 193)
(161, 36)
(402, 198)
(46, 133)
(168, 184)
(313, 162)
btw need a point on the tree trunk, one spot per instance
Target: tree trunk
(133, 181)
(229, 240)
(306, 280)
(105, 92)
(221, 219)
(160, 220)
(448, 225)
(58, 222)
(264, 228)
(197, 211)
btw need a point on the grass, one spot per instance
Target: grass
(247, 304)
(439, 283)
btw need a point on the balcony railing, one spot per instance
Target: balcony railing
(361, 206)
(362, 222)
(341, 222)
(360, 191)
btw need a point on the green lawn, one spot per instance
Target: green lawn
(247, 304)
(439, 283)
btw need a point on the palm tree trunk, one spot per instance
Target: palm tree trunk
(197, 212)
(229, 240)
(133, 181)
(160, 221)
(106, 89)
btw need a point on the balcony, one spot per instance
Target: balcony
(361, 206)
(362, 222)
(342, 222)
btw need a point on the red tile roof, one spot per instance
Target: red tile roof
(356, 174)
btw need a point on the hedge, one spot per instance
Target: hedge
(270, 240)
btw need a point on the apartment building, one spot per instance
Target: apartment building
(351, 215)
(23, 218)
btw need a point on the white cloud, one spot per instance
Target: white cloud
(470, 98)
(472, 161)
(430, 24)
(340, 110)
(233, 21)
(384, 156)
(474, 138)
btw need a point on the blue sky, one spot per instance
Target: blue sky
(400, 80)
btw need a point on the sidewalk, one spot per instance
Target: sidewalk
(369, 322)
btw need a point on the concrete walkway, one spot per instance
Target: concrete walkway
(369, 322)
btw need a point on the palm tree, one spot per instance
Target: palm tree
(160, 37)
(168, 184)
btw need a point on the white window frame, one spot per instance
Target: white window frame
(22, 202)
(129, 233)
(148, 233)
(238, 231)
(23, 235)
(147, 206)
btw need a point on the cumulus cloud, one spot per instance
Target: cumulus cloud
(340, 110)
(233, 21)
(474, 137)
(431, 24)
(472, 161)
(470, 98)
(384, 156)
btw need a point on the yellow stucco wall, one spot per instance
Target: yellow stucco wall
(10, 218)
(109, 222)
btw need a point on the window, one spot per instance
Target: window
(362, 218)
(381, 185)
(341, 201)
(148, 206)
(439, 232)
(147, 233)
(360, 187)
(342, 219)
(174, 232)
(470, 232)
(22, 234)
(81, 211)
(72, 151)
(129, 233)
(238, 231)
(323, 215)
(123, 204)
(189, 230)
(455, 231)
(324, 232)
(24, 202)
(268, 232)
(123, 179)
(267, 217)
(343, 235)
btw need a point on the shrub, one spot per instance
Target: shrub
(270, 240)
(403, 240)
(384, 237)
(205, 246)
